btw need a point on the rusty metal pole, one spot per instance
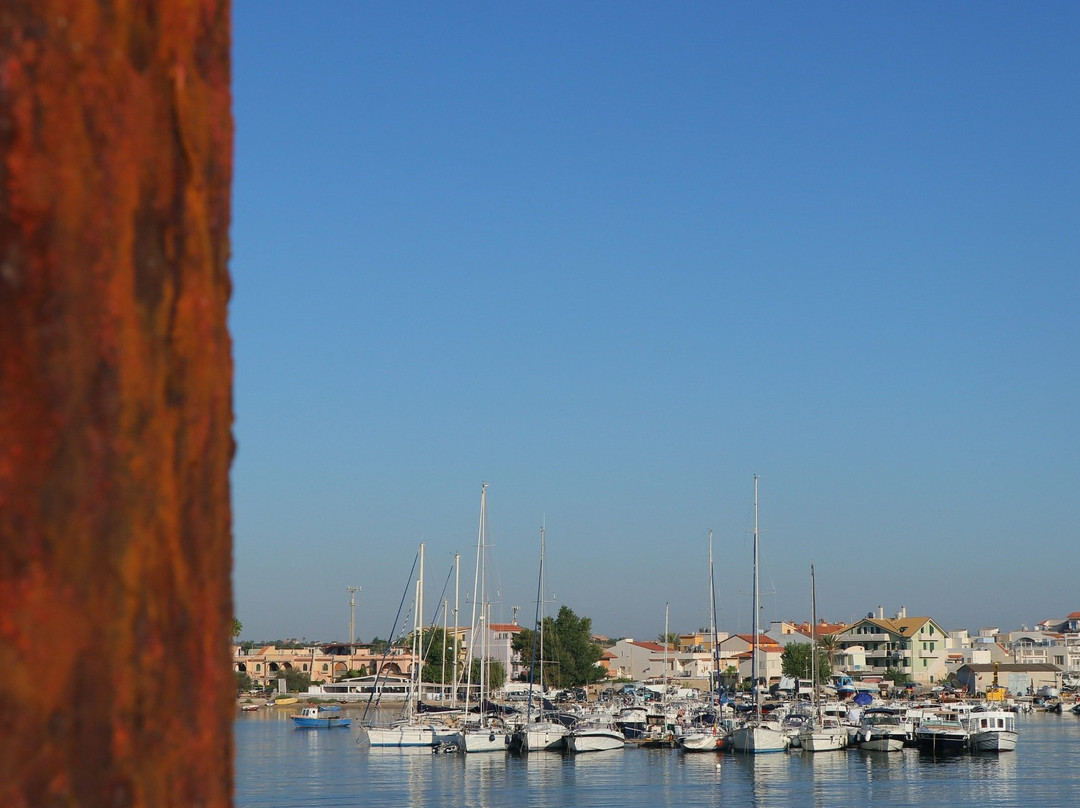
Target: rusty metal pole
(116, 686)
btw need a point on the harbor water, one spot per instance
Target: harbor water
(278, 766)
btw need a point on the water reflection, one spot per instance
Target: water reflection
(278, 766)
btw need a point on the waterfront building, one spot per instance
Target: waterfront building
(916, 646)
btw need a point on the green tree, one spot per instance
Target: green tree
(296, 681)
(237, 628)
(671, 638)
(438, 668)
(496, 672)
(894, 675)
(797, 661)
(830, 644)
(570, 655)
(243, 682)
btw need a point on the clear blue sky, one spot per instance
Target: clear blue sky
(616, 258)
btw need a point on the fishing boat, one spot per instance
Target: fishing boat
(755, 736)
(992, 730)
(319, 718)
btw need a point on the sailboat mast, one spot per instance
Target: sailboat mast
(418, 639)
(813, 636)
(754, 639)
(456, 646)
(666, 663)
(477, 578)
(541, 609)
(714, 685)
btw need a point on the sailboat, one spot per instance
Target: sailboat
(487, 734)
(820, 734)
(710, 738)
(541, 734)
(410, 730)
(755, 736)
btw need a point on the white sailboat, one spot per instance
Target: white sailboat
(488, 733)
(410, 730)
(820, 734)
(541, 734)
(755, 736)
(709, 738)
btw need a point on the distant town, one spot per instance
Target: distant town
(877, 649)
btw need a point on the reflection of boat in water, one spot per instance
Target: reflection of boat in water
(317, 718)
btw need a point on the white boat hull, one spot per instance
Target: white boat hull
(758, 740)
(594, 740)
(995, 741)
(401, 735)
(483, 740)
(703, 742)
(544, 738)
(823, 740)
(882, 743)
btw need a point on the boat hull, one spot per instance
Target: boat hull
(941, 742)
(320, 723)
(996, 741)
(483, 740)
(544, 738)
(823, 740)
(594, 741)
(758, 740)
(703, 742)
(403, 735)
(882, 743)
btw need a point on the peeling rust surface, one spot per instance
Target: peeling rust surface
(115, 403)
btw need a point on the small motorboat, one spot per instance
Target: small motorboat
(316, 718)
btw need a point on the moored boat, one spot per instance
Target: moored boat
(594, 737)
(943, 733)
(882, 730)
(992, 730)
(316, 718)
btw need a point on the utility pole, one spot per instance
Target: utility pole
(352, 613)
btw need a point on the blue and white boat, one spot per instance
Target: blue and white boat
(316, 718)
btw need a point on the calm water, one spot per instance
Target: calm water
(279, 766)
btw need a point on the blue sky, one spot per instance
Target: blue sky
(616, 258)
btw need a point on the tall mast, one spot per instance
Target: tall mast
(666, 610)
(713, 685)
(754, 638)
(477, 578)
(418, 640)
(456, 646)
(813, 637)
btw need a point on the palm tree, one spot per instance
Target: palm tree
(671, 638)
(830, 644)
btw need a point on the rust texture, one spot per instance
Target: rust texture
(115, 404)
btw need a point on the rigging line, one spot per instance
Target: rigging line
(442, 597)
(386, 651)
